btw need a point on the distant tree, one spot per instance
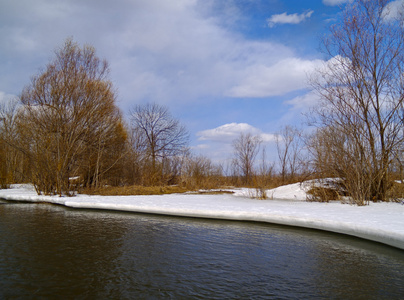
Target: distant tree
(289, 146)
(135, 159)
(10, 158)
(246, 148)
(160, 135)
(69, 120)
(200, 172)
(362, 92)
(266, 169)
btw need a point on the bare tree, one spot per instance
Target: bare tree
(289, 146)
(362, 89)
(246, 148)
(266, 169)
(160, 135)
(69, 116)
(11, 160)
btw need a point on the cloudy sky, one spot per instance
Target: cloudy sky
(221, 66)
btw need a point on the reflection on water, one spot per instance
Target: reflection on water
(48, 251)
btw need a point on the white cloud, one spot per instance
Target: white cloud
(335, 2)
(304, 102)
(287, 75)
(200, 147)
(393, 9)
(284, 18)
(217, 142)
(188, 58)
(229, 132)
(158, 50)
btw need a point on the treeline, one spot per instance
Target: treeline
(357, 146)
(65, 133)
(65, 126)
(360, 116)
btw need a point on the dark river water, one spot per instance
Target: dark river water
(52, 252)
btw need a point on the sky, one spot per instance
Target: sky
(222, 67)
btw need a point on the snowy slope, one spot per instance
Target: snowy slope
(295, 191)
(381, 222)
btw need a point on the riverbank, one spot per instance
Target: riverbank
(380, 222)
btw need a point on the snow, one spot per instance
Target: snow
(296, 191)
(380, 222)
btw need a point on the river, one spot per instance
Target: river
(49, 251)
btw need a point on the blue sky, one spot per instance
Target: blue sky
(221, 66)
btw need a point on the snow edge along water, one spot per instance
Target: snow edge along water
(333, 218)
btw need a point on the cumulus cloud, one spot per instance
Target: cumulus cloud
(158, 51)
(229, 132)
(284, 18)
(217, 142)
(280, 78)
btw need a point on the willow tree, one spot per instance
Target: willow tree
(69, 116)
(362, 94)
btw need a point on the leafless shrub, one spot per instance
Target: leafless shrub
(362, 99)
(198, 172)
(289, 145)
(246, 148)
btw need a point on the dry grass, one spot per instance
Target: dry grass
(396, 192)
(214, 192)
(322, 194)
(216, 186)
(135, 190)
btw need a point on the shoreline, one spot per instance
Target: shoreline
(378, 222)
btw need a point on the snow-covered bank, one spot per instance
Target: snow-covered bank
(381, 222)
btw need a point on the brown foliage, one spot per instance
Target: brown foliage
(200, 173)
(322, 194)
(69, 125)
(13, 165)
(396, 192)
